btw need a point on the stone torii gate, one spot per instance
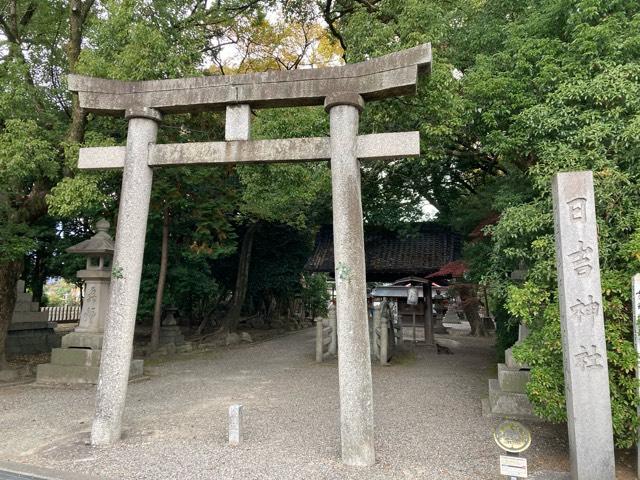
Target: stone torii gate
(343, 91)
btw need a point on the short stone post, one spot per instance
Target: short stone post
(374, 333)
(117, 348)
(235, 424)
(635, 302)
(384, 339)
(333, 346)
(582, 325)
(319, 343)
(354, 361)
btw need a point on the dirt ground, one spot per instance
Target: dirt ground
(427, 415)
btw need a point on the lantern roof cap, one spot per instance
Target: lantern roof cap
(101, 243)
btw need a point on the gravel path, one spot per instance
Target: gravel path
(427, 413)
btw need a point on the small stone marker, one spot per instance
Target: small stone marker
(584, 350)
(235, 424)
(635, 301)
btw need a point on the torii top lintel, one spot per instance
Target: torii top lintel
(391, 75)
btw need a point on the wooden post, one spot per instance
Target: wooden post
(428, 314)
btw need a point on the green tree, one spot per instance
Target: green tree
(562, 94)
(42, 41)
(36, 126)
(521, 90)
(281, 194)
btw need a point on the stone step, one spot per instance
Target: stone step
(507, 403)
(510, 361)
(72, 374)
(513, 380)
(26, 307)
(35, 325)
(29, 317)
(83, 340)
(31, 341)
(486, 412)
(81, 357)
(50, 373)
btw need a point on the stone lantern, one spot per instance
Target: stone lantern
(78, 361)
(97, 277)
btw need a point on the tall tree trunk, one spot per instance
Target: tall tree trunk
(9, 274)
(164, 258)
(78, 12)
(38, 276)
(230, 322)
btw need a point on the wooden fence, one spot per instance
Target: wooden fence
(64, 314)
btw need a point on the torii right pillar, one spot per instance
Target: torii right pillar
(354, 360)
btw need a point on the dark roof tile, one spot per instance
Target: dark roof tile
(390, 255)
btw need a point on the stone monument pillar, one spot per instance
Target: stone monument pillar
(584, 350)
(354, 362)
(78, 361)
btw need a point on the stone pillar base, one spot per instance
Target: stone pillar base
(77, 366)
(78, 361)
(29, 338)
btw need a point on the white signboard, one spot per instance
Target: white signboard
(513, 466)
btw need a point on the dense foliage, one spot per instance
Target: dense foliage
(564, 94)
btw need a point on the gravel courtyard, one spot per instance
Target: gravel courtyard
(427, 413)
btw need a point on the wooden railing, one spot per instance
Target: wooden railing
(64, 314)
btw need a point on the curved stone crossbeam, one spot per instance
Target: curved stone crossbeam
(388, 76)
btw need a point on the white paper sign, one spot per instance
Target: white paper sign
(513, 466)
(412, 297)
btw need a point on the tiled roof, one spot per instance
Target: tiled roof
(454, 269)
(391, 255)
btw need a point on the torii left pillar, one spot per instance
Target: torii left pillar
(354, 358)
(126, 272)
